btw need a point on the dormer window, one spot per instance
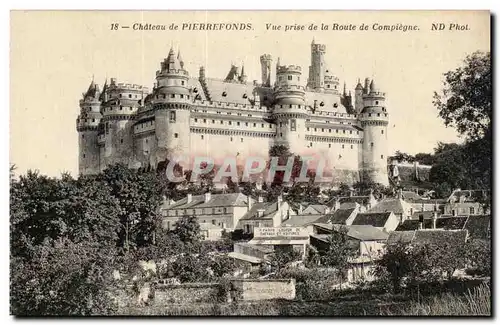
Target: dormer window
(322, 104)
(335, 105)
(245, 96)
(195, 90)
(224, 94)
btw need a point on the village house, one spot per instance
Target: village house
(464, 203)
(365, 202)
(385, 221)
(343, 216)
(265, 214)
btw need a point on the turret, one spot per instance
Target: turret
(122, 101)
(87, 125)
(316, 79)
(265, 64)
(374, 120)
(358, 97)
(289, 108)
(172, 102)
(331, 83)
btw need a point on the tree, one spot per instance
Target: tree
(282, 256)
(222, 265)
(192, 268)
(187, 229)
(340, 251)
(465, 100)
(402, 156)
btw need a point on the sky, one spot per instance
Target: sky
(55, 55)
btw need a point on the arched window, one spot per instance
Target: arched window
(172, 117)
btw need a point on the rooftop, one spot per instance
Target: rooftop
(216, 200)
(360, 232)
(375, 219)
(340, 216)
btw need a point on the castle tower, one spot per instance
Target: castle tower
(331, 83)
(172, 103)
(265, 64)
(358, 97)
(121, 102)
(243, 77)
(317, 67)
(290, 109)
(374, 119)
(87, 125)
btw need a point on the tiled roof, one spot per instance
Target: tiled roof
(410, 196)
(404, 237)
(301, 220)
(361, 232)
(413, 224)
(340, 216)
(375, 219)
(390, 205)
(348, 205)
(479, 226)
(234, 92)
(445, 223)
(470, 195)
(194, 83)
(216, 200)
(429, 236)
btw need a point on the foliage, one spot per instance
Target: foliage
(222, 265)
(465, 100)
(282, 256)
(366, 187)
(479, 256)
(339, 252)
(187, 229)
(192, 268)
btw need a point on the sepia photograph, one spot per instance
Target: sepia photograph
(250, 163)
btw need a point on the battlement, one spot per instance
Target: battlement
(290, 88)
(289, 69)
(229, 105)
(334, 114)
(177, 72)
(374, 94)
(331, 79)
(318, 48)
(265, 57)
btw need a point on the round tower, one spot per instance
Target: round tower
(317, 67)
(331, 83)
(289, 108)
(172, 103)
(87, 125)
(119, 109)
(374, 120)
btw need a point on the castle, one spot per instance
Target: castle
(232, 117)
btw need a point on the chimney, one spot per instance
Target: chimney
(434, 219)
(189, 198)
(260, 213)
(249, 202)
(351, 193)
(415, 166)
(165, 201)
(208, 197)
(400, 194)
(421, 221)
(260, 199)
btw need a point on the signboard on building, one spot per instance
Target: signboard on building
(288, 232)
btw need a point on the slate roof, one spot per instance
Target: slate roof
(270, 209)
(470, 195)
(375, 219)
(446, 223)
(234, 92)
(396, 206)
(216, 200)
(320, 208)
(410, 196)
(301, 220)
(429, 236)
(327, 99)
(360, 232)
(413, 224)
(340, 216)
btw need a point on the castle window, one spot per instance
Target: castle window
(322, 104)
(371, 144)
(381, 156)
(357, 132)
(335, 87)
(183, 82)
(182, 96)
(322, 130)
(176, 135)
(195, 120)
(213, 121)
(376, 102)
(293, 125)
(255, 124)
(204, 120)
(471, 210)
(241, 139)
(262, 125)
(329, 145)
(336, 131)
(270, 126)
(121, 107)
(310, 144)
(172, 95)
(329, 130)
(93, 120)
(281, 106)
(327, 86)
(352, 147)
(350, 132)
(382, 131)
(120, 96)
(221, 122)
(369, 114)
(146, 140)
(289, 77)
(172, 116)
(250, 115)
(265, 97)
(281, 134)
(378, 114)
(129, 95)
(202, 137)
(231, 139)
(135, 96)
(315, 129)
(121, 140)
(83, 136)
(246, 123)
(342, 146)
(130, 108)
(238, 123)
(343, 131)
(230, 122)
(281, 124)
(290, 105)
(83, 155)
(308, 129)
(224, 94)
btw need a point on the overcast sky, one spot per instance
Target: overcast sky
(55, 54)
